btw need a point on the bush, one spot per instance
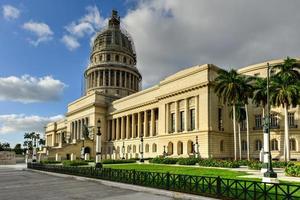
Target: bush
(110, 161)
(218, 163)
(161, 160)
(68, 163)
(50, 162)
(258, 165)
(292, 170)
(188, 161)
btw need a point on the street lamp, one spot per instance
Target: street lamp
(142, 149)
(34, 150)
(98, 146)
(269, 176)
(123, 151)
(196, 146)
(164, 153)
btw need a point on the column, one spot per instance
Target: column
(108, 130)
(196, 112)
(113, 133)
(117, 129)
(186, 114)
(176, 117)
(126, 81)
(121, 78)
(133, 125)
(139, 125)
(79, 130)
(103, 78)
(129, 80)
(128, 127)
(152, 122)
(146, 123)
(75, 132)
(123, 127)
(115, 78)
(109, 77)
(167, 118)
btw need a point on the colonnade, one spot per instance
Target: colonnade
(135, 125)
(77, 129)
(112, 77)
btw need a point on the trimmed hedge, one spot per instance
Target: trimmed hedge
(218, 163)
(161, 160)
(68, 163)
(110, 161)
(49, 162)
(258, 165)
(188, 161)
(292, 170)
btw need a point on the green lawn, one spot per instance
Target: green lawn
(198, 171)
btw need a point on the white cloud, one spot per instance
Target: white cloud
(171, 35)
(16, 123)
(41, 31)
(71, 42)
(28, 89)
(87, 25)
(10, 12)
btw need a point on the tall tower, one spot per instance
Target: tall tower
(112, 69)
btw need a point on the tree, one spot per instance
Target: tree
(5, 146)
(18, 149)
(285, 89)
(228, 88)
(260, 93)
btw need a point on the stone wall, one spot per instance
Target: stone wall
(7, 158)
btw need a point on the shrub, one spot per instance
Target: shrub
(292, 170)
(161, 160)
(218, 163)
(110, 161)
(68, 163)
(49, 162)
(188, 161)
(255, 165)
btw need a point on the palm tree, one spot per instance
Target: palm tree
(246, 94)
(228, 88)
(260, 93)
(285, 88)
(285, 93)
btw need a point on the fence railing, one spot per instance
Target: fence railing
(223, 188)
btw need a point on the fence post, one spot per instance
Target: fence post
(219, 188)
(168, 181)
(133, 178)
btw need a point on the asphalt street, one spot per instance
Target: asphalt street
(19, 184)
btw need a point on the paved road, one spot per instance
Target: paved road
(17, 184)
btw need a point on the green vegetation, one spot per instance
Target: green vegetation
(50, 162)
(258, 165)
(161, 160)
(293, 170)
(69, 163)
(198, 171)
(188, 161)
(110, 161)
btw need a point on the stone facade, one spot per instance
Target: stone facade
(169, 115)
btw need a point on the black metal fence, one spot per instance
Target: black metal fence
(222, 188)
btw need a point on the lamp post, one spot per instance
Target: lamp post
(164, 153)
(196, 148)
(98, 146)
(269, 176)
(34, 150)
(142, 149)
(123, 151)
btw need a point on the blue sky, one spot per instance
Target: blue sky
(45, 46)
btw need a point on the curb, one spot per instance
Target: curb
(172, 194)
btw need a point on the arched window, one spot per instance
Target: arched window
(274, 145)
(154, 147)
(244, 145)
(117, 58)
(147, 148)
(108, 57)
(134, 149)
(179, 148)
(124, 59)
(170, 148)
(222, 145)
(258, 145)
(293, 144)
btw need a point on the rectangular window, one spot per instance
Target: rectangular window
(258, 121)
(172, 122)
(182, 121)
(274, 120)
(192, 119)
(291, 119)
(220, 119)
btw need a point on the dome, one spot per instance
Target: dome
(112, 69)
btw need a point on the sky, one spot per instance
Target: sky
(45, 46)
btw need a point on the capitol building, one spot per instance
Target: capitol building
(172, 116)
